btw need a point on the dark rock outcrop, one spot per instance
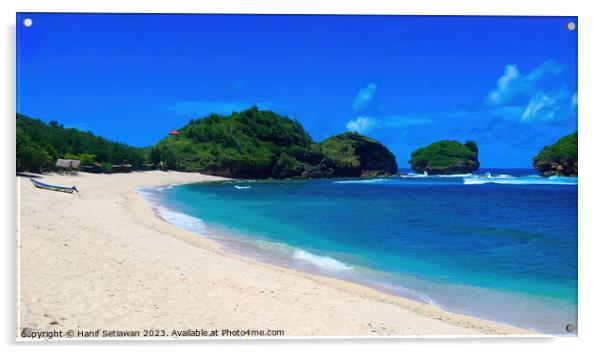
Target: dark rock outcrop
(354, 155)
(323, 170)
(559, 159)
(374, 173)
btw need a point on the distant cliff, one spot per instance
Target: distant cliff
(559, 159)
(352, 154)
(446, 157)
(262, 144)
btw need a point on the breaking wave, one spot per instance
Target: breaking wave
(362, 181)
(321, 261)
(507, 179)
(184, 221)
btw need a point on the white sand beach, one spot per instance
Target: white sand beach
(102, 259)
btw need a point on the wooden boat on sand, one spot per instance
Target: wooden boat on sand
(51, 187)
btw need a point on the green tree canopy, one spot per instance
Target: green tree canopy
(561, 158)
(446, 157)
(40, 144)
(353, 154)
(246, 144)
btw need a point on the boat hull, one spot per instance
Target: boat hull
(51, 187)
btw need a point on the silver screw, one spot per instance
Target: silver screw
(27, 22)
(571, 26)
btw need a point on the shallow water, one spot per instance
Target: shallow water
(500, 245)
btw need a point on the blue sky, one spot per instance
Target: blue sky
(509, 83)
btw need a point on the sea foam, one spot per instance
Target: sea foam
(407, 292)
(326, 263)
(506, 179)
(361, 181)
(181, 220)
(184, 221)
(426, 175)
(164, 188)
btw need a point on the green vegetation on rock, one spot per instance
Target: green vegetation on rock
(559, 159)
(263, 144)
(287, 166)
(249, 144)
(244, 145)
(446, 157)
(40, 144)
(352, 154)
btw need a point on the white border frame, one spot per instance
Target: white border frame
(590, 58)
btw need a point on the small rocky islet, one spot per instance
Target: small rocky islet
(560, 158)
(446, 157)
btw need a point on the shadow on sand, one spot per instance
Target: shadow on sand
(29, 175)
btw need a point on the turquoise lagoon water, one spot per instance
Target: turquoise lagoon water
(500, 245)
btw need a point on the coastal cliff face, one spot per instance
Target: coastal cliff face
(263, 144)
(354, 155)
(559, 159)
(446, 157)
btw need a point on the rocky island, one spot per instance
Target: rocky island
(354, 155)
(263, 144)
(446, 157)
(559, 159)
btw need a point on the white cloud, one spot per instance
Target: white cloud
(365, 104)
(364, 124)
(547, 67)
(364, 98)
(513, 85)
(574, 100)
(504, 85)
(361, 124)
(544, 106)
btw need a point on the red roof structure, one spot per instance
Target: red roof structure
(174, 132)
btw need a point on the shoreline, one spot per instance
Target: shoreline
(298, 302)
(358, 286)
